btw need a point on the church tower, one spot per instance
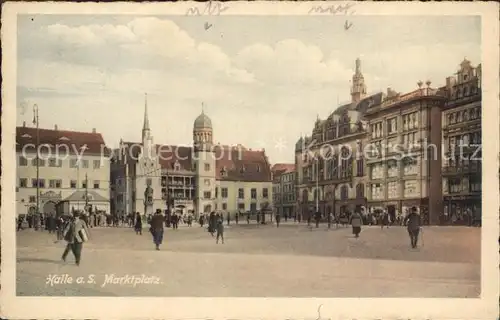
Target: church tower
(358, 89)
(148, 171)
(204, 162)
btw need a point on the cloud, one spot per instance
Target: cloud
(291, 62)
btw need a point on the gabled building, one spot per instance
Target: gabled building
(73, 169)
(461, 134)
(199, 177)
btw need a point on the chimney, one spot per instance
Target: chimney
(24, 124)
(55, 127)
(93, 130)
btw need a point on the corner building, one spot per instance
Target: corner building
(462, 166)
(284, 191)
(199, 179)
(73, 171)
(404, 164)
(330, 163)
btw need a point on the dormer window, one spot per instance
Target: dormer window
(223, 172)
(177, 166)
(26, 136)
(64, 138)
(242, 169)
(465, 77)
(84, 147)
(258, 168)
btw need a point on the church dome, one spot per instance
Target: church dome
(202, 122)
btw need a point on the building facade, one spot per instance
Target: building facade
(284, 191)
(73, 171)
(330, 163)
(404, 164)
(461, 124)
(200, 179)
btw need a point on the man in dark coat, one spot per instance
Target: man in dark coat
(278, 219)
(413, 223)
(317, 218)
(157, 229)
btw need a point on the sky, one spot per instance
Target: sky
(263, 80)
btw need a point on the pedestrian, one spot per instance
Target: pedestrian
(228, 218)
(236, 217)
(75, 233)
(278, 219)
(317, 218)
(385, 219)
(156, 228)
(201, 220)
(138, 224)
(356, 222)
(329, 220)
(413, 225)
(220, 229)
(248, 217)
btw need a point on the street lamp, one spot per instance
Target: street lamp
(36, 122)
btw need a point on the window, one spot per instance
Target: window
(207, 166)
(392, 126)
(360, 166)
(360, 191)
(73, 163)
(97, 164)
(475, 185)
(241, 206)
(377, 172)
(377, 191)
(253, 193)
(392, 190)
(410, 166)
(344, 193)
(32, 199)
(392, 169)
(376, 130)
(253, 207)
(72, 184)
(41, 162)
(410, 189)
(56, 183)
(23, 162)
(96, 184)
(41, 183)
(224, 206)
(241, 193)
(207, 195)
(149, 181)
(85, 163)
(207, 182)
(265, 193)
(23, 183)
(223, 192)
(216, 192)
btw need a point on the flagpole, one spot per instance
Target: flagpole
(86, 192)
(36, 121)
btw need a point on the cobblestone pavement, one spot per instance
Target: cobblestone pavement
(292, 260)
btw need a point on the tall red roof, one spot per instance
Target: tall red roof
(55, 139)
(281, 168)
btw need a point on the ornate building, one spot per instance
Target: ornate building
(73, 171)
(330, 163)
(284, 192)
(461, 121)
(404, 164)
(203, 178)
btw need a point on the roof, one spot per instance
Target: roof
(233, 163)
(79, 195)
(202, 122)
(62, 140)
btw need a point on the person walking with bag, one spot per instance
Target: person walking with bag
(157, 229)
(356, 222)
(75, 233)
(413, 223)
(138, 224)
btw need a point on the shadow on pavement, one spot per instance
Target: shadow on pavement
(39, 260)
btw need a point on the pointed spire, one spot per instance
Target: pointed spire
(145, 125)
(358, 65)
(202, 108)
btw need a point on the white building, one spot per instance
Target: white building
(73, 170)
(200, 179)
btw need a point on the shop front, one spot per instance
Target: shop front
(462, 210)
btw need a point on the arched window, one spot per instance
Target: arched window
(360, 191)
(344, 193)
